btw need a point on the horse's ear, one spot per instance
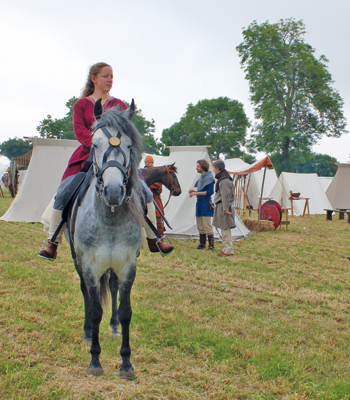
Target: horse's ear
(98, 109)
(131, 109)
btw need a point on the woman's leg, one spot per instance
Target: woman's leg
(50, 251)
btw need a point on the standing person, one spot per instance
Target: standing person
(224, 208)
(98, 85)
(205, 188)
(156, 189)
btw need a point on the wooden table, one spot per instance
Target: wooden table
(292, 198)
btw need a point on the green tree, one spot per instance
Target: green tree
(59, 128)
(220, 123)
(63, 128)
(295, 104)
(147, 129)
(15, 147)
(305, 162)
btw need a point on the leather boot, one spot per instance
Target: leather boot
(153, 244)
(50, 251)
(211, 242)
(202, 241)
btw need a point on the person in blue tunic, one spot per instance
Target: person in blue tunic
(205, 188)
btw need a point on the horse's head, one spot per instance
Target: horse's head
(116, 145)
(172, 182)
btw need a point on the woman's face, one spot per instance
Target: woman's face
(103, 81)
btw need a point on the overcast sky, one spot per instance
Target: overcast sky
(165, 54)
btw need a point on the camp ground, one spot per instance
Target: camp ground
(308, 187)
(48, 162)
(251, 181)
(270, 322)
(50, 157)
(180, 212)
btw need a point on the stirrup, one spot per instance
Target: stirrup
(43, 246)
(163, 237)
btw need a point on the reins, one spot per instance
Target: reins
(169, 179)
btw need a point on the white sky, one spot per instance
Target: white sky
(165, 54)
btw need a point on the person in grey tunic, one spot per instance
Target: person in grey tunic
(224, 206)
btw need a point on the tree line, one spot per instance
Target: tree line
(292, 93)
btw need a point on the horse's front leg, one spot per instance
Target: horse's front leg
(87, 323)
(125, 312)
(113, 287)
(96, 312)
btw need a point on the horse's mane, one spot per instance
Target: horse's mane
(173, 167)
(118, 119)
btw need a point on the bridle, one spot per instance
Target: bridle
(169, 181)
(114, 144)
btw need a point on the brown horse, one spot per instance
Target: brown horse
(165, 175)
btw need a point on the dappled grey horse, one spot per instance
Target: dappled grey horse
(104, 231)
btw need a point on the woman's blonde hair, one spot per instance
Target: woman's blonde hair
(94, 70)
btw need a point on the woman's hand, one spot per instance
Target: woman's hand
(228, 212)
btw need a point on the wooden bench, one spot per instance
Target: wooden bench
(341, 212)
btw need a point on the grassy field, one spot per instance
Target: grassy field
(272, 322)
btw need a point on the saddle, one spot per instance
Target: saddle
(75, 193)
(76, 190)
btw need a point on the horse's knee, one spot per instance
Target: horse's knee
(124, 315)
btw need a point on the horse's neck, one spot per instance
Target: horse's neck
(155, 174)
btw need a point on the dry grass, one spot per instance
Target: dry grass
(271, 322)
(264, 225)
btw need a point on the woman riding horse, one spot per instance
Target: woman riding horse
(98, 86)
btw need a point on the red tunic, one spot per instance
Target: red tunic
(157, 189)
(83, 122)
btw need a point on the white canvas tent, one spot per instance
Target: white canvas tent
(3, 168)
(325, 181)
(253, 180)
(309, 187)
(48, 163)
(50, 158)
(338, 192)
(254, 188)
(22, 175)
(180, 211)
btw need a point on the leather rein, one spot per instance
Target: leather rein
(169, 180)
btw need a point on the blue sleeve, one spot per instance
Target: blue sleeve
(209, 189)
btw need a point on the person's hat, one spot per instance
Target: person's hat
(149, 158)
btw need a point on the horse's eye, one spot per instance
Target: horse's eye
(130, 146)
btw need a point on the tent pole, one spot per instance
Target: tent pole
(261, 194)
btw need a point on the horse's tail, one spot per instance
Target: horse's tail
(104, 289)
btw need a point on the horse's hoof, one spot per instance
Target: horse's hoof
(114, 336)
(128, 375)
(95, 371)
(87, 341)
